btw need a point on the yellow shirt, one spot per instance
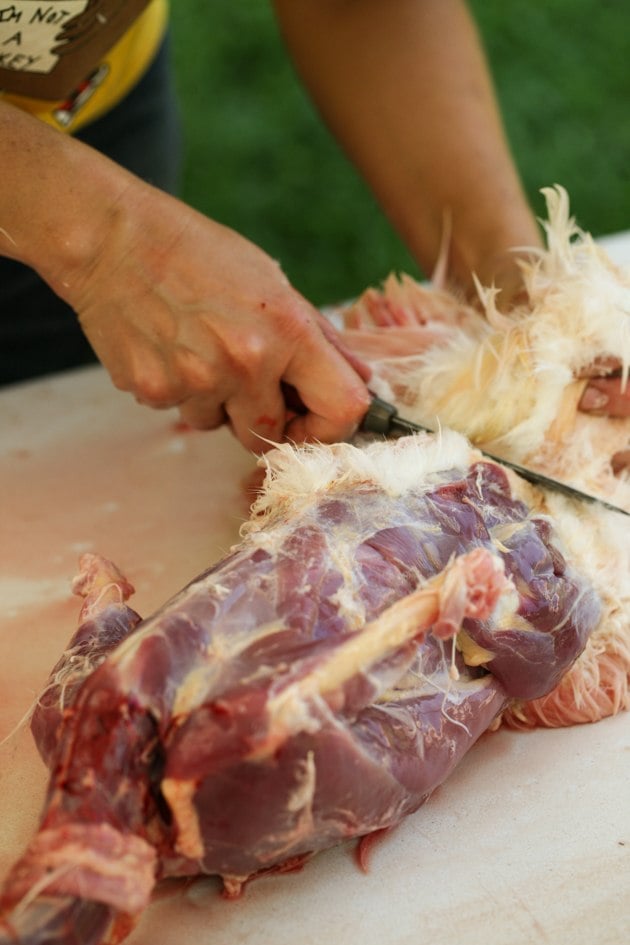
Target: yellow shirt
(70, 62)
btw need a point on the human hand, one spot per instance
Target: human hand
(606, 396)
(185, 312)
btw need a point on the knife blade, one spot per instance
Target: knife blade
(383, 418)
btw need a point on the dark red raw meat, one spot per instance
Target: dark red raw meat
(289, 698)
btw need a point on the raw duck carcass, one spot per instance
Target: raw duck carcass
(385, 606)
(511, 382)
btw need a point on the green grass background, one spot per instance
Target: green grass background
(259, 159)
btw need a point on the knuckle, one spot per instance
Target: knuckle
(154, 389)
(252, 355)
(199, 373)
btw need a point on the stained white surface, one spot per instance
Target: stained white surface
(529, 842)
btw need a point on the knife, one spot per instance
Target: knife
(382, 418)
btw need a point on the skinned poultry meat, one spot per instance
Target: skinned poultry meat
(511, 382)
(387, 605)
(304, 691)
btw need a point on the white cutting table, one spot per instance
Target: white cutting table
(529, 841)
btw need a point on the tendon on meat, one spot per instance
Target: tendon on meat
(386, 604)
(511, 382)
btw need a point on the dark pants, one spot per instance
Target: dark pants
(39, 333)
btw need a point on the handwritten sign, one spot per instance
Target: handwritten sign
(29, 31)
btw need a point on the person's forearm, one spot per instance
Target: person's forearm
(404, 87)
(180, 310)
(57, 198)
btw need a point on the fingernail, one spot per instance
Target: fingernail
(593, 399)
(620, 462)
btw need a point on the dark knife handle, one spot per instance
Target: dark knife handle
(379, 417)
(382, 418)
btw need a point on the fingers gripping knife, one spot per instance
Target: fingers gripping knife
(382, 418)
